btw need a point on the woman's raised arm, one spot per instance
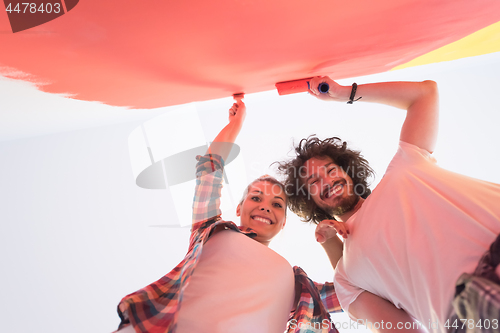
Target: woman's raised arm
(223, 142)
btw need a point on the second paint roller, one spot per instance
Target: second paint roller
(297, 86)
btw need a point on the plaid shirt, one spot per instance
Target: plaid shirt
(154, 309)
(476, 306)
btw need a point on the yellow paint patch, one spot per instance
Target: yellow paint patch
(484, 41)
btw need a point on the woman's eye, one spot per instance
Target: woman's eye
(255, 198)
(278, 205)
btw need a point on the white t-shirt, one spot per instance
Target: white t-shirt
(420, 229)
(239, 286)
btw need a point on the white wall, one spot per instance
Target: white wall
(73, 226)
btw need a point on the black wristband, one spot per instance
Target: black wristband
(353, 93)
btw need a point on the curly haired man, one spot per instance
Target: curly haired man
(412, 247)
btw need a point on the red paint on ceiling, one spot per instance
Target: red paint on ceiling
(154, 53)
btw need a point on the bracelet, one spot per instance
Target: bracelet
(353, 93)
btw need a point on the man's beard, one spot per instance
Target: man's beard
(345, 205)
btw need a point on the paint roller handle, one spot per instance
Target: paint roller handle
(238, 97)
(328, 90)
(323, 87)
(238, 109)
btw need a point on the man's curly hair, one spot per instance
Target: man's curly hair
(351, 162)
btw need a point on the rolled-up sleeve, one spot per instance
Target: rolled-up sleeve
(206, 202)
(328, 296)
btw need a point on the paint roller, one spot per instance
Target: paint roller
(297, 86)
(238, 96)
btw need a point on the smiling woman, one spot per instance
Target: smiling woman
(239, 283)
(263, 208)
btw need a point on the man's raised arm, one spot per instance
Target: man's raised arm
(420, 99)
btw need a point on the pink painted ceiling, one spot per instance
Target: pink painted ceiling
(154, 53)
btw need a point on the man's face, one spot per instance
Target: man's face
(329, 186)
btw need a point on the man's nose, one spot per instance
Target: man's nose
(325, 183)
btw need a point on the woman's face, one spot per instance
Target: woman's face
(263, 209)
